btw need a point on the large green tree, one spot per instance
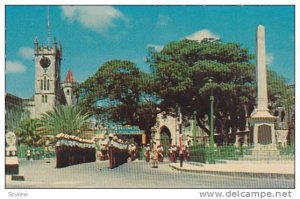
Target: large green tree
(119, 92)
(183, 69)
(279, 92)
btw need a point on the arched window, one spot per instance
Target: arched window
(48, 84)
(68, 92)
(45, 98)
(282, 116)
(45, 82)
(41, 84)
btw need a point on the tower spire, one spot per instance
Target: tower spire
(48, 32)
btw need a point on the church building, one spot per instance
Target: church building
(50, 91)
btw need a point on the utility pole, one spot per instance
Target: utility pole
(211, 140)
(194, 130)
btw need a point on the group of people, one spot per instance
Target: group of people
(103, 148)
(118, 151)
(112, 140)
(71, 150)
(174, 153)
(34, 154)
(155, 155)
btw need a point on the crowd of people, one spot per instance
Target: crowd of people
(116, 150)
(119, 151)
(71, 150)
(111, 140)
(34, 154)
(156, 153)
(174, 153)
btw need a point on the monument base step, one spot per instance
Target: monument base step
(250, 162)
(259, 154)
(268, 158)
(17, 178)
(256, 160)
(264, 153)
(220, 161)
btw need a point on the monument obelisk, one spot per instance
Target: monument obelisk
(260, 119)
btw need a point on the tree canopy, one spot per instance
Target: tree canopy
(27, 132)
(119, 92)
(183, 69)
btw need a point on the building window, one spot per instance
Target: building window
(48, 84)
(282, 116)
(41, 84)
(45, 83)
(45, 98)
(68, 92)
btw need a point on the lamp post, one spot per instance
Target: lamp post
(194, 130)
(180, 138)
(211, 126)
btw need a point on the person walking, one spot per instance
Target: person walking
(160, 151)
(28, 154)
(147, 153)
(154, 156)
(132, 151)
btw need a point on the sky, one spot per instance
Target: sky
(92, 35)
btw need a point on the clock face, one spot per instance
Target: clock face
(45, 62)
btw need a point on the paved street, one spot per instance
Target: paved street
(138, 174)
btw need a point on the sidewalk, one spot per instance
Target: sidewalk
(285, 170)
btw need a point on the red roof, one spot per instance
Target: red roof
(69, 77)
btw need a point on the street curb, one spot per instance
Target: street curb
(238, 174)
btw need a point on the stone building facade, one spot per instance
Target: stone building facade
(166, 131)
(49, 90)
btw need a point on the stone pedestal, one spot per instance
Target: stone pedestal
(11, 158)
(11, 166)
(263, 131)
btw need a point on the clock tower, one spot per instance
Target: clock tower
(47, 77)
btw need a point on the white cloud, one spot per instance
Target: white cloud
(162, 20)
(26, 52)
(202, 34)
(269, 59)
(157, 48)
(15, 67)
(96, 18)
